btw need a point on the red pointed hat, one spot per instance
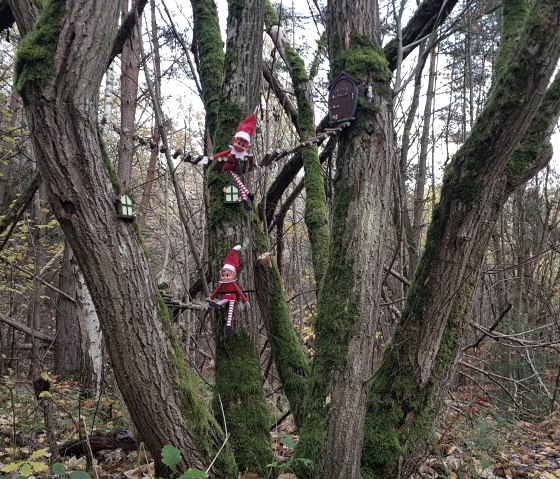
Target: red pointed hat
(232, 261)
(246, 128)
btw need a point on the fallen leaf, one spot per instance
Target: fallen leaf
(145, 470)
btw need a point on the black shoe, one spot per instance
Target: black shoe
(229, 331)
(251, 197)
(246, 205)
(213, 304)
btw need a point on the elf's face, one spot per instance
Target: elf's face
(240, 144)
(227, 275)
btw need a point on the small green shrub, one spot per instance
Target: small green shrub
(171, 457)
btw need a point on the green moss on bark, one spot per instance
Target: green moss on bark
(292, 365)
(400, 414)
(203, 425)
(316, 215)
(239, 390)
(211, 55)
(364, 59)
(35, 56)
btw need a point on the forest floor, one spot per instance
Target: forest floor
(473, 442)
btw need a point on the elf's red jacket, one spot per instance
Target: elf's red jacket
(229, 290)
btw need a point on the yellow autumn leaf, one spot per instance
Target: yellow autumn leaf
(39, 466)
(10, 467)
(557, 472)
(549, 475)
(38, 453)
(453, 475)
(25, 470)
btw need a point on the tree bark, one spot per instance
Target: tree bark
(238, 388)
(347, 309)
(130, 69)
(402, 408)
(59, 85)
(67, 352)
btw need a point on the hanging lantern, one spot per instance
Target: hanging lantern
(343, 99)
(231, 195)
(125, 208)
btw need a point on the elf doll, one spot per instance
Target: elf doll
(228, 289)
(235, 154)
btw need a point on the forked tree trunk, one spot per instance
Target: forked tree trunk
(403, 407)
(59, 69)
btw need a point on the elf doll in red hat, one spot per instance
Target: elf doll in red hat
(235, 154)
(228, 289)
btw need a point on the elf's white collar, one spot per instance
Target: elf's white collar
(239, 155)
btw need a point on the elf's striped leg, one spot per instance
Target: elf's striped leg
(242, 188)
(229, 327)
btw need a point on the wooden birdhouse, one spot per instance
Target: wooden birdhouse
(231, 195)
(343, 99)
(124, 208)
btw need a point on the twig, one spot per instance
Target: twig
(38, 278)
(223, 415)
(494, 326)
(89, 449)
(225, 439)
(217, 454)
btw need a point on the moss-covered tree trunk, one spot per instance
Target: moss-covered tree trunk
(292, 365)
(238, 390)
(316, 216)
(402, 407)
(347, 310)
(59, 67)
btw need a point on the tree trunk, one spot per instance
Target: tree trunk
(347, 310)
(420, 187)
(59, 69)
(238, 388)
(130, 68)
(316, 218)
(238, 374)
(402, 407)
(36, 305)
(68, 351)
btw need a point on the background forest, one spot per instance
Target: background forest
(402, 266)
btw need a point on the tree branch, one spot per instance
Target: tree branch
(127, 27)
(24, 329)
(428, 16)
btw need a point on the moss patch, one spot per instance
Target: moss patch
(35, 55)
(239, 389)
(363, 59)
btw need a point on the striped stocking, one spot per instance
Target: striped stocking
(242, 188)
(230, 313)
